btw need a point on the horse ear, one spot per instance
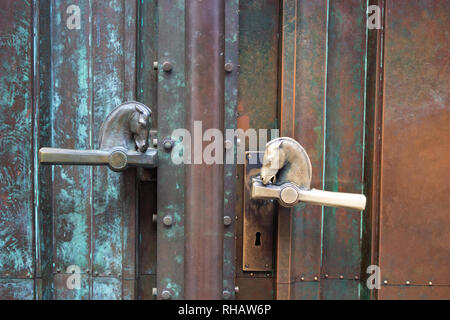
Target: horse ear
(280, 144)
(142, 109)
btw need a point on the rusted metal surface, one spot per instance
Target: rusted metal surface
(415, 155)
(147, 53)
(230, 122)
(17, 258)
(17, 289)
(257, 108)
(302, 116)
(344, 150)
(62, 87)
(323, 93)
(205, 41)
(256, 288)
(42, 137)
(147, 238)
(258, 224)
(146, 92)
(146, 284)
(372, 156)
(114, 207)
(414, 293)
(171, 99)
(72, 187)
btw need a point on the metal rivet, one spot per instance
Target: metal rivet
(302, 278)
(167, 220)
(87, 271)
(266, 265)
(96, 273)
(356, 278)
(155, 291)
(28, 275)
(228, 67)
(249, 156)
(155, 142)
(109, 273)
(227, 220)
(316, 279)
(267, 274)
(326, 276)
(168, 144)
(251, 274)
(228, 144)
(167, 66)
(155, 65)
(226, 294)
(341, 277)
(407, 283)
(165, 295)
(385, 282)
(58, 270)
(430, 283)
(238, 142)
(236, 289)
(119, 274)
(154, 218)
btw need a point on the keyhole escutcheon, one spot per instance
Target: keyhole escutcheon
(258, 239)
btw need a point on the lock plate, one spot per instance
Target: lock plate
(258, 221)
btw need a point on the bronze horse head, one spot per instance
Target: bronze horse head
(128, 126)
(285, 160)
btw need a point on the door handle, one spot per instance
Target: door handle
(123, 140)
(117, 158)
(286, 176)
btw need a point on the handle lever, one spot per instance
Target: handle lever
(289, 195)
(117, 159)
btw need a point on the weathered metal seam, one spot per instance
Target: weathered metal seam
(361, 227)
(91, 169)
(324, 145)
(230, 122)
(35, 126)
(171, 95)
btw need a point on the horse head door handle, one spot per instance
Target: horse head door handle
(123, 142)
(286, 176)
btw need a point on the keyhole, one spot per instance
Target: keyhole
(258, 239)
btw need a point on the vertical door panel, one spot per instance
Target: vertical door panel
(17, 260)
(230, 117)
(344, 151)
(71, 125)
(94, 213)
(147, 53)
(322, 105)
(257, 109)
(302, 108)
(171, 105)
(415, 154)
(114, 194)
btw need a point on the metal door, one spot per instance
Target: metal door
(368, 106)
(66, 66)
